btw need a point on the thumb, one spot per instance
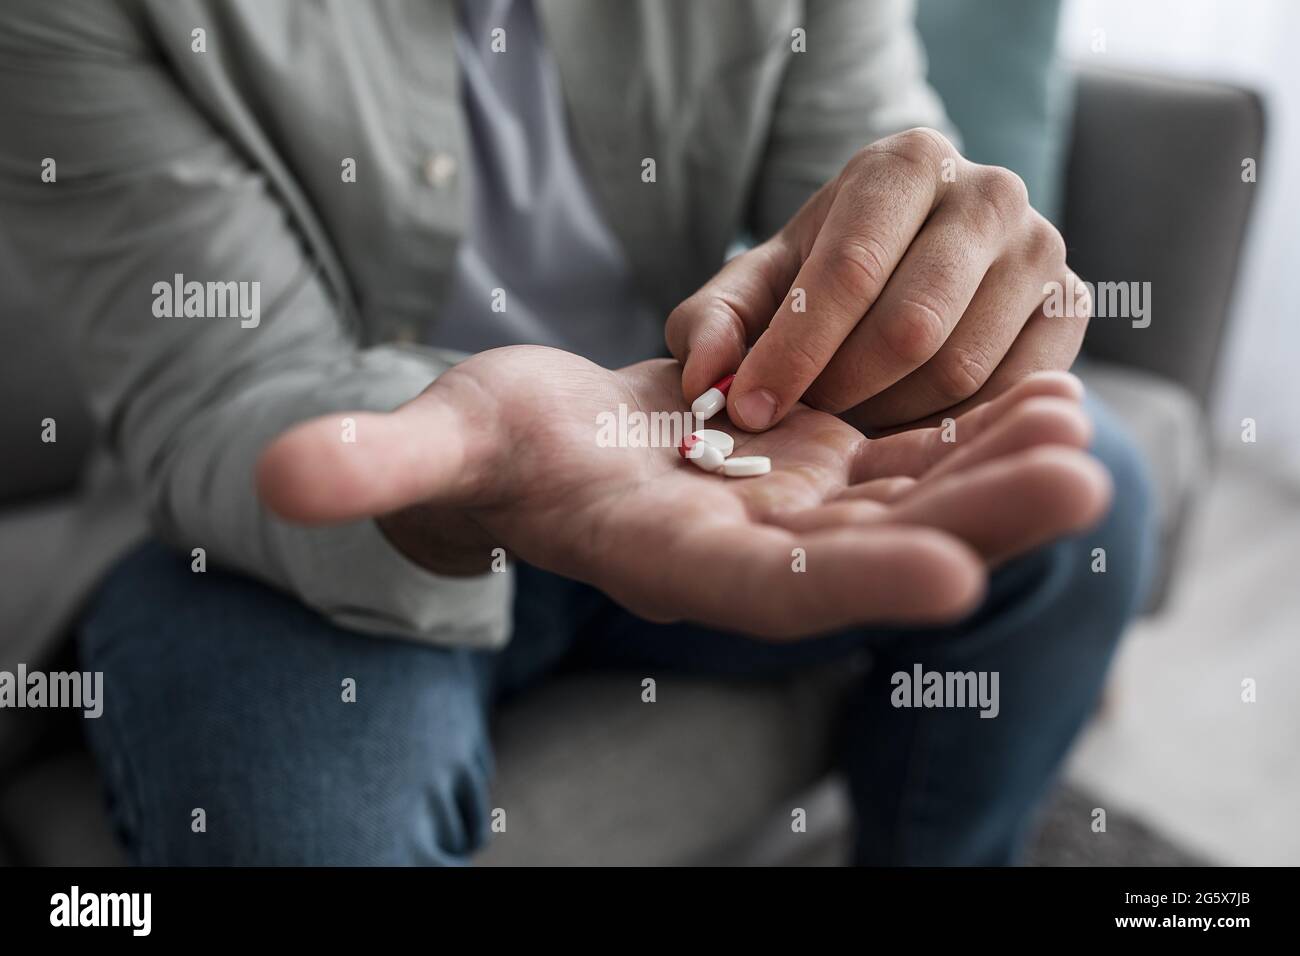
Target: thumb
(351, 465)
(710, 331)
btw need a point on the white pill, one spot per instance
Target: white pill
(706, 456)
(718, 439)
(747, 466)
(708, 404)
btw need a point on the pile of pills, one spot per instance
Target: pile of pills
(711, 449)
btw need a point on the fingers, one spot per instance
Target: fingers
(916, 451)
(879, 207)
(995, 316)
(353, 465)
(710, 331)
(1009, 506)
(903, 323)
(912, 323)
(849, 576)
(1031, 422)
(1005, 506)
(1047, 342)
(1050, 383)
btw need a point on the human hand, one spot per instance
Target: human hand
(921, 282)
(501, 451)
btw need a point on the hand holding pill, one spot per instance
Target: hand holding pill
(912, 284)
(709, 449)
(500, 452)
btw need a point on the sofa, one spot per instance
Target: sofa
(1150, 192)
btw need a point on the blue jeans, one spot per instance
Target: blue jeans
(223, 694)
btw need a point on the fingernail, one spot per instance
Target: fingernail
(755, 409)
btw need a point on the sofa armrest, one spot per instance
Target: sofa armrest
(1154, 193)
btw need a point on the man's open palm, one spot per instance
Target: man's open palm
(502, 451)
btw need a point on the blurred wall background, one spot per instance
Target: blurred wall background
(1252, 43)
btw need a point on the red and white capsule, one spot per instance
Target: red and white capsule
(713, 400)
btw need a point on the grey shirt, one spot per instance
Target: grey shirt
(214, 139)
(538, 264)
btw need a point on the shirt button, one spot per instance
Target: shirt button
(439, 169)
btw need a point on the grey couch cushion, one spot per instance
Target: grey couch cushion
(1166, 423)
(1168, 207)
(588, 773)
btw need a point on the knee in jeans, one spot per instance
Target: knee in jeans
(416, 812)
(1123, 542)
(420, 798)
(452, 818)
(224, 697)
(1104, 571)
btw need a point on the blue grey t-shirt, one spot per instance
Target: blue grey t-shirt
(534, 230)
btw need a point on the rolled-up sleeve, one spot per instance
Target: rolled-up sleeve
(144, 188)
